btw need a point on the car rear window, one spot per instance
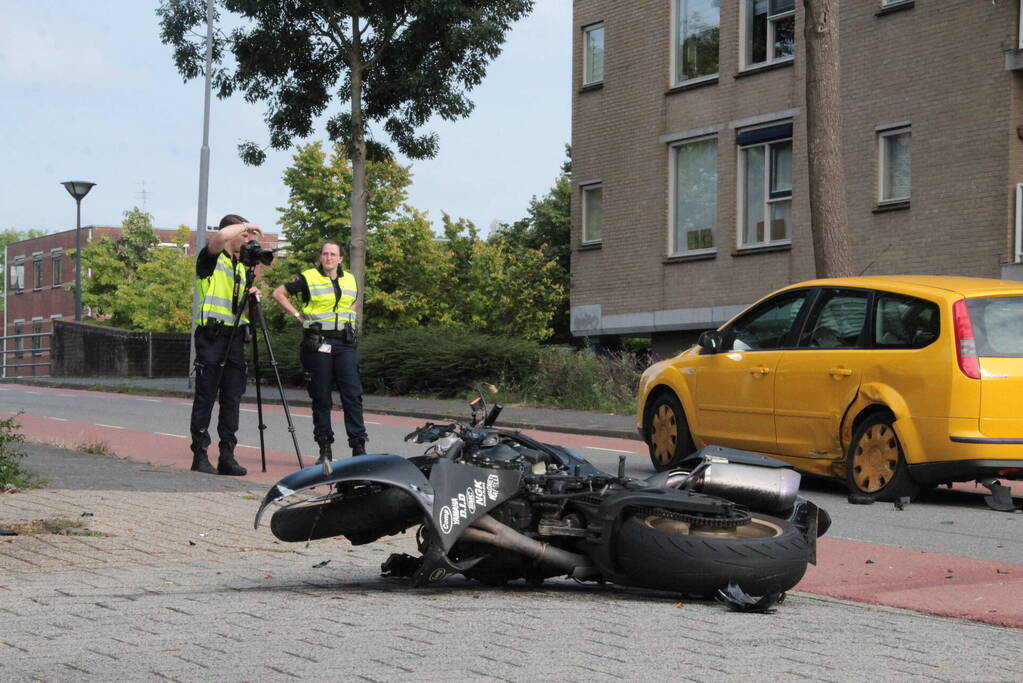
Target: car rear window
(904, 322)
(997, 326)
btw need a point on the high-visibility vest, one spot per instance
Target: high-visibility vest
(330, 311)
(217, 292)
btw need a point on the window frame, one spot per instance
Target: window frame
(673, 250)
(19, 341)
(872, 332)
(37, 342)
(768, 200)
(56, 257)
(821, 297)
(37, 272)
(746, 26)
(676, 78)
(809, 299)
(882, 163)
(583, 189)
(587, 30)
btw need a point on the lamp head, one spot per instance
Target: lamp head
(77, 188)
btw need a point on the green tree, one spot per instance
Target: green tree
(394, 64)
(319, 200)
(113, 264)
(547, 228)
(159, 296)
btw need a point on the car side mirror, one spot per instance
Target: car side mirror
(711, 342)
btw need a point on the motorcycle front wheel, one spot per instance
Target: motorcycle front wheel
(764, 556)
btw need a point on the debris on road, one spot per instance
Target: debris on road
(737, 600)
(320, 565)
(902, 503)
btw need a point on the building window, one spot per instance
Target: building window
(19, 342)
(593, 54)
(894, 165)
(37, 342)
(765, 186)
(696, 38)
(695, 187)
(18, 274)
(770, 31)
(56, 258)
(37, 272)
(593, 213)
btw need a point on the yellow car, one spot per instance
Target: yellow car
(893, 383)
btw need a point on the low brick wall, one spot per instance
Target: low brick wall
(81, 350)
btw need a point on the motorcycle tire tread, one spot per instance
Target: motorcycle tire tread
(701, 565)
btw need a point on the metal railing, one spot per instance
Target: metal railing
(19, 351)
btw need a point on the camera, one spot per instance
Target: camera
(252, 254)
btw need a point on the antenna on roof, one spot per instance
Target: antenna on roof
(887, 247)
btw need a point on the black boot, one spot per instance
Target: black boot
(325, 455)
(229, 466)
(201, 462)
(358, 448)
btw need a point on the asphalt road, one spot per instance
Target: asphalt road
(948, 521)
(947, 555)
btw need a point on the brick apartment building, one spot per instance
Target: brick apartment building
(36, 292)
(690, 187)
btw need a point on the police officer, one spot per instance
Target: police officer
(328, 352)
(220, 283)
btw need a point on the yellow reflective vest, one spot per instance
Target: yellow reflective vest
(330, 311)
(217, 292)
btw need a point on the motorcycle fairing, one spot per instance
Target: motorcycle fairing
(463, 493)
(384, 468)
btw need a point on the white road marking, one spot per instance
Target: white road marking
(371, 423)
(150, 400)
(174, 435)
(67, 395)
(33, 392)
(109, 426)
(59, 419)
(610, 450)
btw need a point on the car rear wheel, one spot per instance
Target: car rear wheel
(667, 433)
(876, 465)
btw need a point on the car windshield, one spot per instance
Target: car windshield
(997, 326)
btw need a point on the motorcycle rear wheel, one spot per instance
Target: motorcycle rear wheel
(765, 556)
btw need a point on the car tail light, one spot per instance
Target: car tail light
(966, 346)
(1011, 472)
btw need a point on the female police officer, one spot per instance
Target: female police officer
(328, 352)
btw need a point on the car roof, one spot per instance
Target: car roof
(920, 284)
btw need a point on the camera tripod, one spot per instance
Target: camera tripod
(256, 314)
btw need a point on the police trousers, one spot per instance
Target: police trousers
(334, 363)
(210, 350)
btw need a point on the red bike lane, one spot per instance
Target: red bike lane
(946, 585)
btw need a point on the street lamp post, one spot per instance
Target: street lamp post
(78, 189)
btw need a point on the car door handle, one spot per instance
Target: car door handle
(839, 373)
(759, 370)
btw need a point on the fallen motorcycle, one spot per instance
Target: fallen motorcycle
(496, 505)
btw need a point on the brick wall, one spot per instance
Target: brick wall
(82, 350)
(937, 65)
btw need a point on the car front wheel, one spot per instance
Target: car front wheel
(667, 433)
(876, 465)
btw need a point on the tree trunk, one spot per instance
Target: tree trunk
(357, 249)
(829, 222)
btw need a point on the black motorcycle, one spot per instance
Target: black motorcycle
(496, 505)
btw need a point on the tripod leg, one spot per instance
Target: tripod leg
(258, 311)
(259, 401)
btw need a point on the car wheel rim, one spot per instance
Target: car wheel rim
(876, 458)
(664, 434)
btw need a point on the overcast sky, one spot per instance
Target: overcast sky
(90, 93)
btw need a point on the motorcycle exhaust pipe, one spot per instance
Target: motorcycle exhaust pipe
(767, 489)
(488, 530)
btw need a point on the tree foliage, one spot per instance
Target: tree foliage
(135, 285)
(413, 277)
(390, 64)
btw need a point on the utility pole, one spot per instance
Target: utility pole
(204, 176)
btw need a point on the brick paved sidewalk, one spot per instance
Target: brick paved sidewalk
(144, 603)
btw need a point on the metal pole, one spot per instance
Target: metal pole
(204, 174)
(78, 261)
